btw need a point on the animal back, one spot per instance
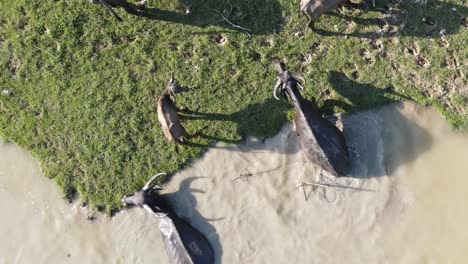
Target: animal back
(322, 142)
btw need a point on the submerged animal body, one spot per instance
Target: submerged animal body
(168, 113)
(313, 9)
(323, 143)
(184, 244)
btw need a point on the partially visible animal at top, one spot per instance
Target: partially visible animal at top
(138, 9)
(168, 114)
(133, 9)
(322, 143)
(313, 9)
(184, 244)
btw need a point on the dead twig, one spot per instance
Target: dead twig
(326, 185)
(244, 172)
(225, 18)
(55, 57)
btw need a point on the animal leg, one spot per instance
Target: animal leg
(344, 2)
(130, 8)
(108, 7)
(367, 4)
(187, 6)
(311, 24)
(183, 109)
(142, 5)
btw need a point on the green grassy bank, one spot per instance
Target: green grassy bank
(79, 89)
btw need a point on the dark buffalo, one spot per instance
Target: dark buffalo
(322, 142)
(183, 243)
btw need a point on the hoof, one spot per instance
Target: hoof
(311, 26)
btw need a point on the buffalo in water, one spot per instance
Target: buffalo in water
(183, 242)
(322, 142)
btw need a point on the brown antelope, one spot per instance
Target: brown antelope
(168, 113)
(313, 9)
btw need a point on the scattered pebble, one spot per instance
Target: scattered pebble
(7, 92)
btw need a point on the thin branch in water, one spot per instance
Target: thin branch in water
(244, 172)
(302, 186)
(273, 169)
(326, 185)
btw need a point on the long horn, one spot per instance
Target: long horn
(275, 90)
(157, 215)
(302, 82)
(148, 183)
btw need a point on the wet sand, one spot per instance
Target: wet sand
(402, 202)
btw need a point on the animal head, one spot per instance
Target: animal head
(285, 79)
(137, 199)
(174, 88)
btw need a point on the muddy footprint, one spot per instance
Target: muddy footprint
(218, 39)
(413, 49)
(376, 44)
(422, 62)
(367, 56)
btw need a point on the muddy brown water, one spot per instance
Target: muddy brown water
(403, 202)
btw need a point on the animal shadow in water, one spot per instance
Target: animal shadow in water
(260, 17)
(384, 138)
(258, 120)
(184, 203)
(419, 20)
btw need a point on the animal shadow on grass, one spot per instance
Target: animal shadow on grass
(260, 120)
(406, 18)
(259, 17)
(383, 138)
(184, 203)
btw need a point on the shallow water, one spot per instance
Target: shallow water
(403, 202)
